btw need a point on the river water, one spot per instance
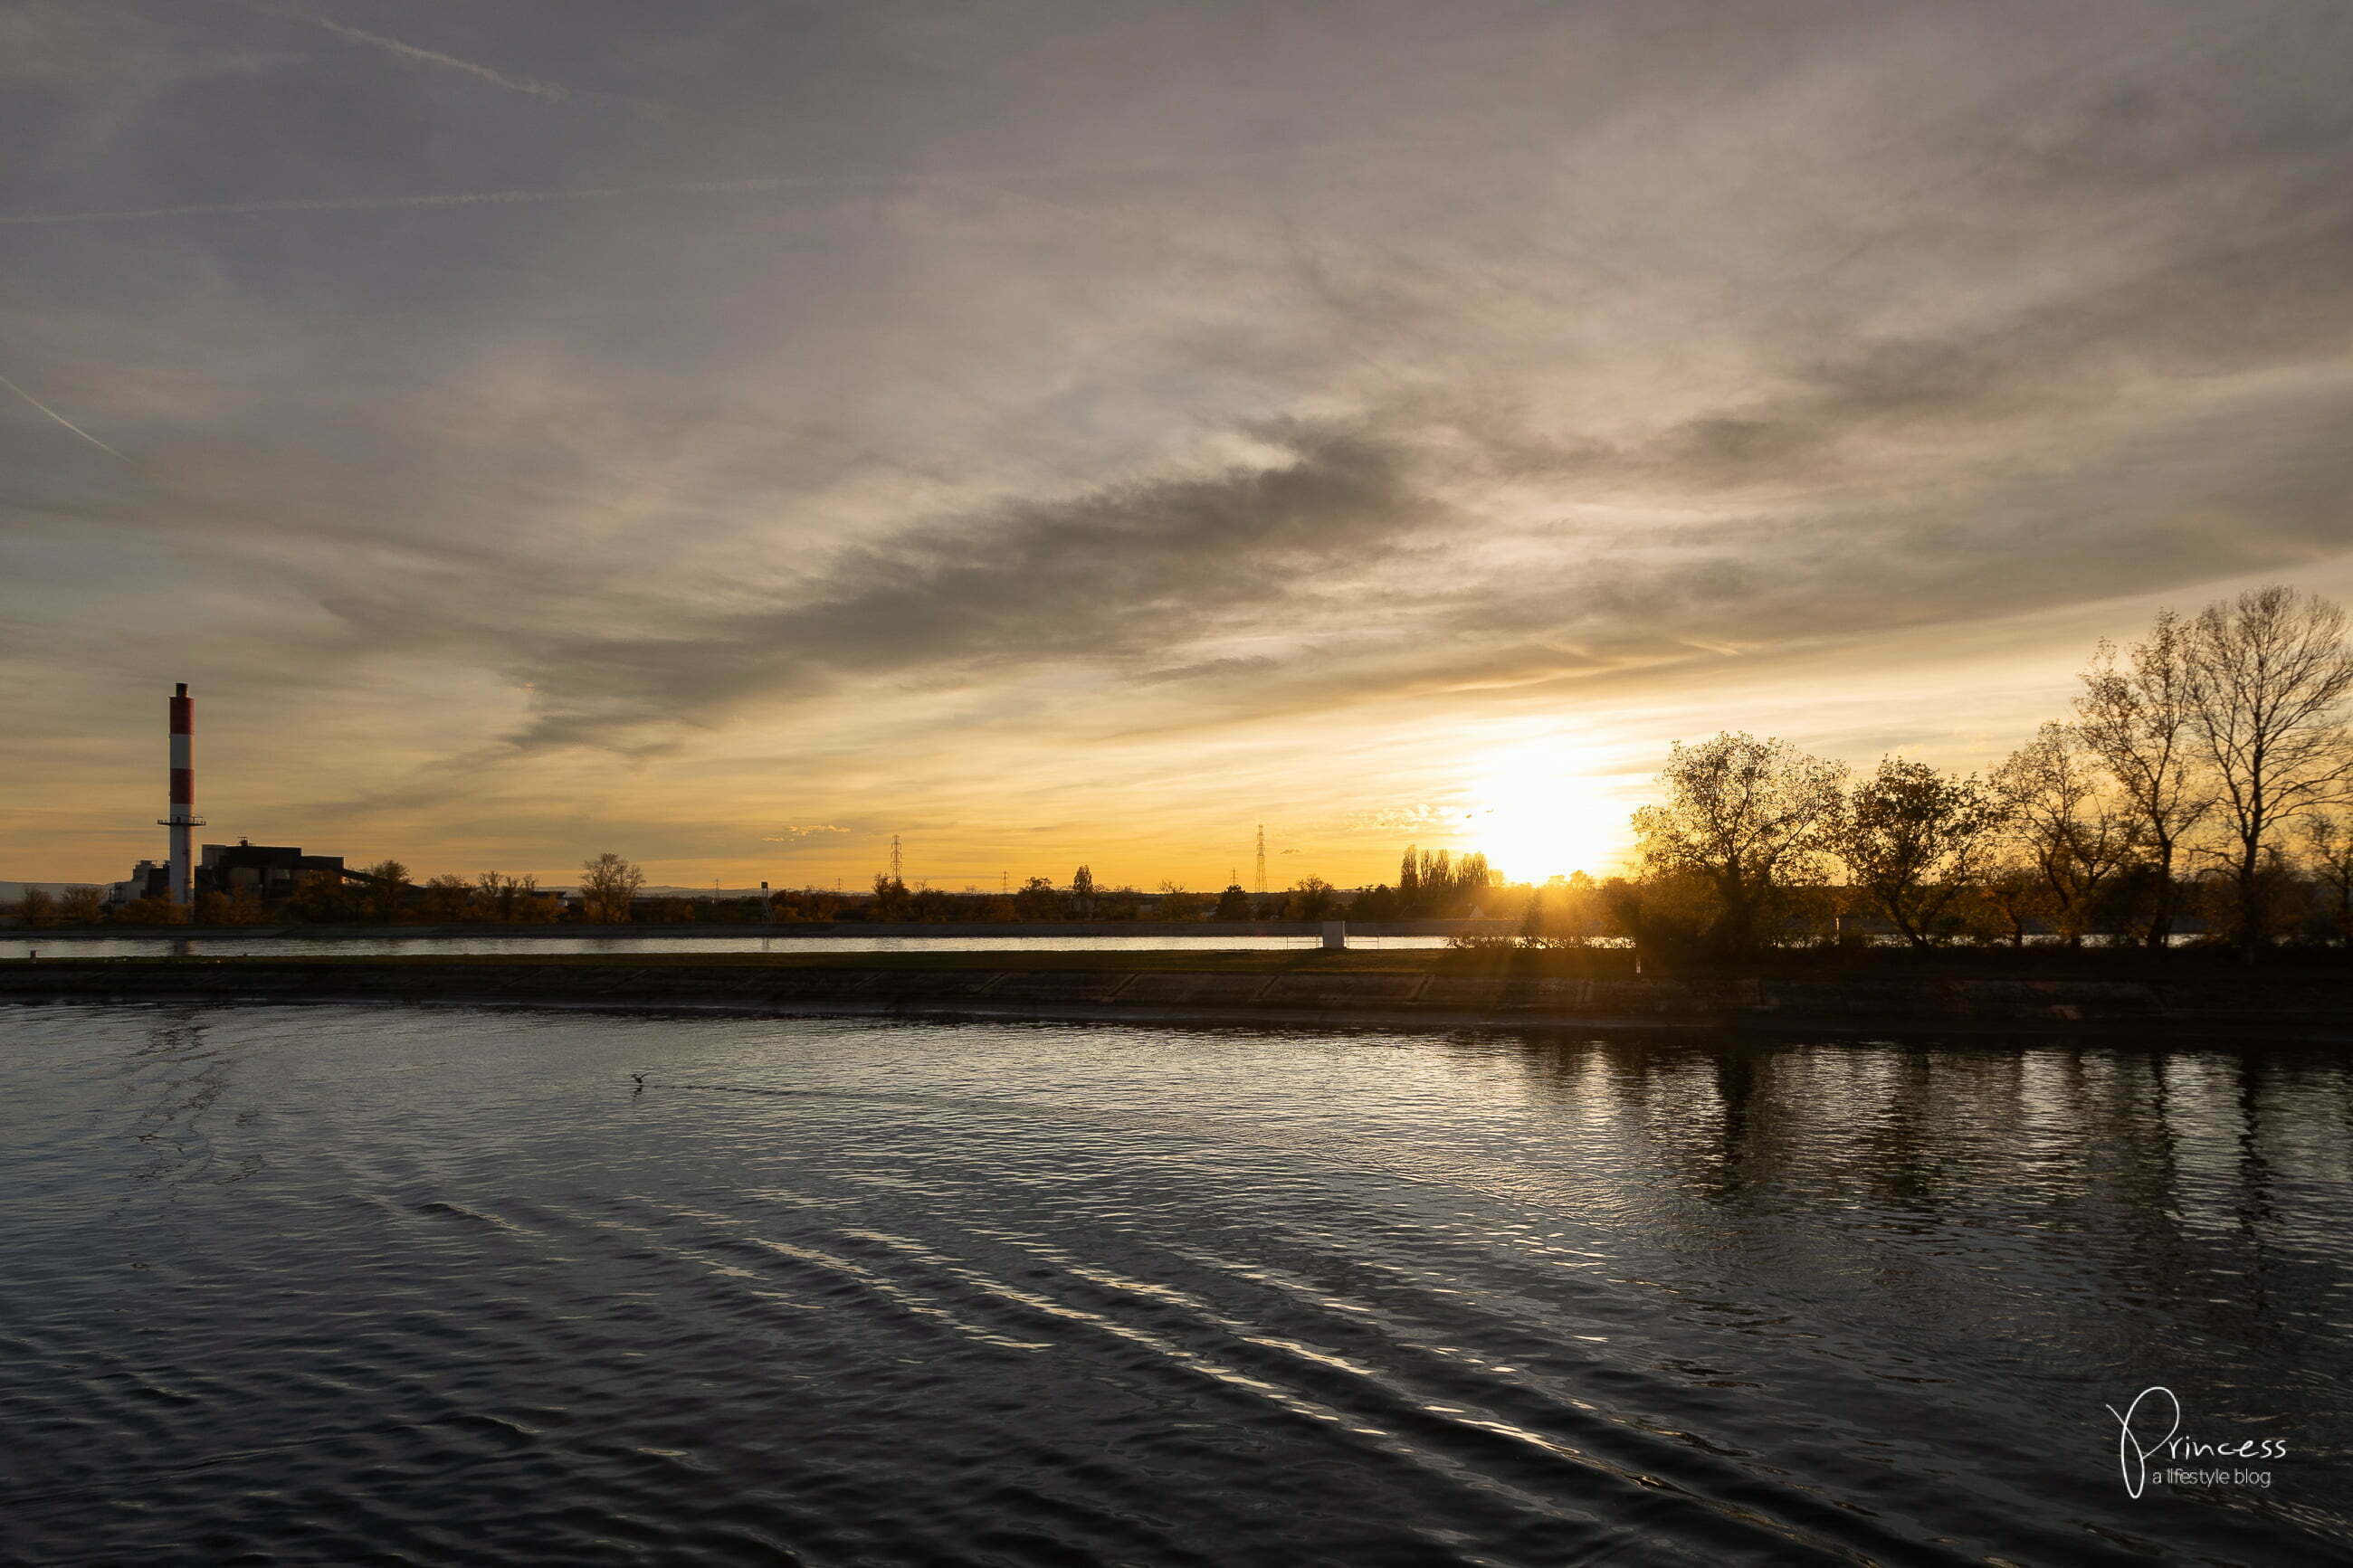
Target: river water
(432, 1286)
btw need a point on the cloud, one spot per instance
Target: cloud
(1108, 578)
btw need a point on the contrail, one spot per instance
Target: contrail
(59, 417)
(325, 203)
(540, 89)
(452, 198)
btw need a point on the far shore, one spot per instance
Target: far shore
(2177, 1003)
(576, 931)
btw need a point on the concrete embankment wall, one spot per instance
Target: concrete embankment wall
(2284, 1008)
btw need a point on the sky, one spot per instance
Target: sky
(1080, 431)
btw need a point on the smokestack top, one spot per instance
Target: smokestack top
(180, 689)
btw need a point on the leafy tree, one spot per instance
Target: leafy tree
(1176, 904)
(36, 908)
(609, 886)
(322, 898)
(1233, 904)
(2269, 673)
(1083, 894)
(1037, 901)
(891, 901)
(2139, 719)
(1913, 840)
(447, 899)
(1747, 819)
(1311, 899)
(1566, 912)
(2011, 893)
(388, 890)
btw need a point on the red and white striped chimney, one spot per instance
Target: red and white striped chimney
(184, 792)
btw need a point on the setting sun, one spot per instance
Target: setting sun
(1536, 813)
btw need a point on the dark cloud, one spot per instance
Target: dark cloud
(1112, 577)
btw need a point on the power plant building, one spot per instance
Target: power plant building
(268, 871)
(265, 870)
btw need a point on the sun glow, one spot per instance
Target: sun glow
(1536, 813)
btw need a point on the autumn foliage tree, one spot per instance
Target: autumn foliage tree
(609, 886)
(1744, 821)
(1915, 839)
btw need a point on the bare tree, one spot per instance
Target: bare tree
(82, 906)
(2269, 674)
(503, 898)
(2139, 719)
(1915, 839)
(1750, 818)
(2077, 835)
(608, 886)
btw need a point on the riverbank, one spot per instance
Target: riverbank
(1428, 990)
(574, 931)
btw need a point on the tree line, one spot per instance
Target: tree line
(2197, 790)
(2200, 777)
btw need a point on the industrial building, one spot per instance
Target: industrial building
(268, 872)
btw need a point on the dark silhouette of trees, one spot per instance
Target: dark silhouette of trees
(2139, 719)
(1746, 820)
(2066, 817)
(1176, 904)
(891, 902)
(1312, 899)
(2328, 853)
(513, 898)
(1439, 886)
(2269, 673)
(447, 899)
(1037, 901)
(81, 906)
(1914, 839)
(608, 887)
(385, 891)
(1233, 904)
